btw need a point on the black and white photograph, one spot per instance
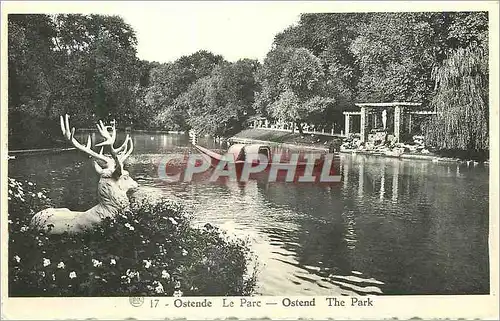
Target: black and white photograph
(219, 155)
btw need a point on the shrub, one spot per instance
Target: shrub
(152, 249)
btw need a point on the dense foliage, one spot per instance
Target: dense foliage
(462, 89)
(437, 58)
(150, 250)
(86, 65)
(218, 103)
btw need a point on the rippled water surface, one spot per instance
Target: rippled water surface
(390, 227)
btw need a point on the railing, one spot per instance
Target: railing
(289, 127)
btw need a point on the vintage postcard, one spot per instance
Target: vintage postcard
(249, 160)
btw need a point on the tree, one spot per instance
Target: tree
(30, 63)
(461, 101)
(461, 82)
(168, 81)
(97, 59)
(220, 103)
(294, 86)
(329, 37)
(395, 54)
(269, 77)
(78, 64)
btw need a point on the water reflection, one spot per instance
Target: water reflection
(391, 226)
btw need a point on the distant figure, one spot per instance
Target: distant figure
(384, 118)
(334, 146)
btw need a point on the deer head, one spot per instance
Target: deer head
(114, 183)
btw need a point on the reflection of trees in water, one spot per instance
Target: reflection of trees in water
(430, 235)
(324, 236)
(320, 238)
(414, 225)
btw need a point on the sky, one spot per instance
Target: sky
(234, 29)
(166, 32)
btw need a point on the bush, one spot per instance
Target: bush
(149, 250)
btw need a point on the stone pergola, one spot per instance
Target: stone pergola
(376, 114)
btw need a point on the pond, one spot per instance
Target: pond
(390, 227)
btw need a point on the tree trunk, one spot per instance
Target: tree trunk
(48, 106)
(299, 126)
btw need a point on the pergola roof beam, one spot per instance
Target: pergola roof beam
(393, 104)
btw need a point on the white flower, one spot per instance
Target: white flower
(159, 287)
(61, 265)
(184, 252)
(46, 262)
(24, 228)
(147, 263)
(165, 274)
(177, 284)
(17, 258)
(40, 194)
(10, 221)
(96, 263)
(30, 184)
(178, 293)
(112, 262)
(53, 277)
(132, 274)
(172, 221)
(130, 227)
(72, 275)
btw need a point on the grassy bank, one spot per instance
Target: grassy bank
(284, 137)
(152, 249)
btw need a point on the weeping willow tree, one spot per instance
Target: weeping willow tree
(461, 101)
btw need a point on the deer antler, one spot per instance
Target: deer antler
(114, 165)
(126, 149)
(121, 151)
(70, 136)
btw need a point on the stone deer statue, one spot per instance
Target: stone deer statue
(111, 191)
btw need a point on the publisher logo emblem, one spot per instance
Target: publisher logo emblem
(136, 301)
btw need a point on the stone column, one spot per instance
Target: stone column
(398, 110)
(347, 124)
(363, 124)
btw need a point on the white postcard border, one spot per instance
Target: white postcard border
(401, 307)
